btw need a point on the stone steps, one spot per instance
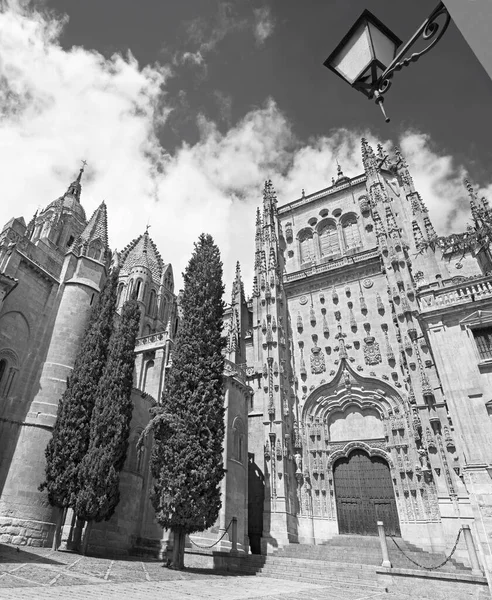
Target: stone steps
(352, 550)
(369, 584)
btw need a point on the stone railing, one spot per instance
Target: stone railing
(286, 208)
(345, 261)
(152, 341)
(238, 371)
(452, 292)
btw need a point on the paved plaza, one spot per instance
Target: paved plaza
(38, 574)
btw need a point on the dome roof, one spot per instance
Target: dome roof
(70, 203)
(70, 199)
(142, 252)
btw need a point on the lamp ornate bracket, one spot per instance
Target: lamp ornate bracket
(431, 31)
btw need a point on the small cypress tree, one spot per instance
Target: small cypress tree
(188, 429)
(99, 472)
(70, 438)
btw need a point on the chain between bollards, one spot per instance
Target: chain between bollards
(216, 542)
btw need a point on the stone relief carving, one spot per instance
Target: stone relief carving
(317, 361)
(372, 354)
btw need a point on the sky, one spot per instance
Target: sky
(183, 109)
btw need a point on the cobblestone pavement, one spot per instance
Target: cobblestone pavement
(38, 574)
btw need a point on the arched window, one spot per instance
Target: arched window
(306, 245)
(137, 288)
(238, 435)
(328, 239)
(94, 250)
(130, 290)
(140, 463)
(351, 235)
(163, 309)
(176, 323)
(3, 370)
(147, 330)
(152, 303)
(120, 291)
(149, 368)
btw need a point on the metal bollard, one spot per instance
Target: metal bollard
(384, 546)
(234, 536)
(472, 553)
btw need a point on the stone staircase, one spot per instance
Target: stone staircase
(351, 560)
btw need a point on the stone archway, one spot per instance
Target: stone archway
(364, 494)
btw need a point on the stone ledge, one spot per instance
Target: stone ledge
(459, 577)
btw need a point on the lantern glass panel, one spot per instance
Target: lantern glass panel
(356, 56)
(384, 47)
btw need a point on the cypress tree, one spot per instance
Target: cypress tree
(188, 428)
(70, 438)
(99, 472)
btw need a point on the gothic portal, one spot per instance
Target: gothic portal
(364, 494)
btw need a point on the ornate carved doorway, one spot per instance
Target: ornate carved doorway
(364, 495)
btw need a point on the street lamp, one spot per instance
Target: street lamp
(367, 58)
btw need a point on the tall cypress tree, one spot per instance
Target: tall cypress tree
(99, 472)
(189, 427)
(70, 438)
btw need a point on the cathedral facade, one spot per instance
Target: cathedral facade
(356, 379)
(369, 354)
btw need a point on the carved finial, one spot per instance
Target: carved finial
(368, 157)
(473, 197)
(258, 216)
(84, 163)
(303, 193)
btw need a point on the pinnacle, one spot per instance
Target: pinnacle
(96, 229)
(469, 188)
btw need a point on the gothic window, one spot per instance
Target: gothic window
(152, 303)
(120, 291)
(137, 288)
(483, 339)
(238, 435)
(176, 323)
(163, 309)
(94, 250)
(140, 459)
(328, 239)
(3, 370)
(351, 235)
(149, 368)
(8, 371)
(71, 240)
(306, 245)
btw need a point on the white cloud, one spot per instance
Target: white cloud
(264, 24)
(208, 34)
(61, 106)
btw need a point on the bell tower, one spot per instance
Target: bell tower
(83, 274)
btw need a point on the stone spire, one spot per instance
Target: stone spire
(368, 157)
(93, 241)
(75, 187)
(237, 286)
(269, 208)
(402, 170)
(473, 199)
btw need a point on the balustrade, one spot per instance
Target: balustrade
(452, 293)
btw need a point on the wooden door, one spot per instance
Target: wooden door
(364, 495)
